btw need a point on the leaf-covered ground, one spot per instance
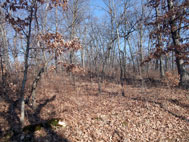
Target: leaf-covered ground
(143, 115)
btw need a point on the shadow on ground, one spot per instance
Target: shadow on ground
(13, 133)
(160, 104)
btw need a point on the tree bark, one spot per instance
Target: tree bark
(4, 57)
(56, 56)
(162, 71)
(159, 42)
(22, 118)
(83, 49)
(4, 43)
(132, 56)
(34, 86)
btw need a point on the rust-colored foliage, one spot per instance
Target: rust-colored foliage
(180, 15)
(55, 42)
(171, 79)
(75, 69)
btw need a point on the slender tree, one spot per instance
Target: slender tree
(24, 26)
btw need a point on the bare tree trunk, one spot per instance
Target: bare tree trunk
(2, 72)
(172, 61)
(83, 58)
(125, 59)
(121, 64)
(22, 118)
(147, 66)
(4, 58)
(141, 41)
(4, 44)
(125, 40)
(72, 35)
(159, 40)
(141, 45)
(36, 81)
(99, 82)
(141, 53)
(132, 56)
(156, 64)
(34, 86)
(166, 63)
(83, 49)
(140, 57)
(162, 71)
(56, 56)
(121, 55)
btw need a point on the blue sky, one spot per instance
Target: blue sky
(97, 6)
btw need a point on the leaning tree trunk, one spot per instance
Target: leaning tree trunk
(34, 87)
(36, 81)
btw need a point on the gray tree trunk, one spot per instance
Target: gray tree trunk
(140, 44)
(4, 42)
(159, 40)
(162, 71)
(22, 118)
(34, 86)
(56, 56)
(83, 49)
(132, 56)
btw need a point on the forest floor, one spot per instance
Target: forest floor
(145, 114)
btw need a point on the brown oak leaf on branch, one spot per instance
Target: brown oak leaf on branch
(55, 42)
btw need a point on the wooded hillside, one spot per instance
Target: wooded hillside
(104, 70)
